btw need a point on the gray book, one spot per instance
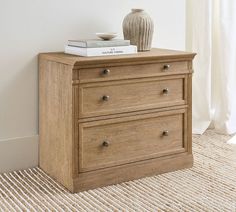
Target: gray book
(95, 43)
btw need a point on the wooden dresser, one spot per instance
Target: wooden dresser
(105, 120)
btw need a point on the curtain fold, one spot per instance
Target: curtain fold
(200, 42)
(225, 66)
(213, 38)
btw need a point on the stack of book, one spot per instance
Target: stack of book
(97, 47)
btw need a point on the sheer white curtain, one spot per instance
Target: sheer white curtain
(212, 35)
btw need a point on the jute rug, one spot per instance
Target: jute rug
(209, 186)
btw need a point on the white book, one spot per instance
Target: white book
(95, 43)
(102, 51)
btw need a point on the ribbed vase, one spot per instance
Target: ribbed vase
(138, 27)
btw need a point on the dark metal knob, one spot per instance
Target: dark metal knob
(165, 91)
(165, 133)
(105, 143)
(166, 67)
(105, 98)
(106, 72)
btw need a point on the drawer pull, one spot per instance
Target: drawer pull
(105, 72)
(166, 67)
(105, 98)
(165, 133)
(105, 143)
(165, 91)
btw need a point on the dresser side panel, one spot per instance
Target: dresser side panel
(55, 120)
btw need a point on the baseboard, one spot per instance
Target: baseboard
(18, 153)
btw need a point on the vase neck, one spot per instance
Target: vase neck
(137, 10)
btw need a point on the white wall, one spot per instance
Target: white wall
(28, 27)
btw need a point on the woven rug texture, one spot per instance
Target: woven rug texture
(209, 186)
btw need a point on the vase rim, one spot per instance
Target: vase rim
(137, 10)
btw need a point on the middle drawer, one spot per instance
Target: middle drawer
(129, 95)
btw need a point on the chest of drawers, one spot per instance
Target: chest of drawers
(105, 120)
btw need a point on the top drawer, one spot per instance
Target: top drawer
(129, 72)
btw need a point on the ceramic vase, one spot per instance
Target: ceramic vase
(138, 27)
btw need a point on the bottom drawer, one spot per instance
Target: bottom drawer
(124, 140)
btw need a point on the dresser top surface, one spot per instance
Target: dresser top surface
(154, 54)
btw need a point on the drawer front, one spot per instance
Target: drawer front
(133, 71)
(133, 95)
(119, 141)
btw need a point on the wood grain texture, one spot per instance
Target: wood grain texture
(127, 172)
(85, 75)
(189, 112)
(130, 139)
(130, 95)
(155, 55)
(73, 122)
(55, 120)
(75, 144)
(132, 113)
